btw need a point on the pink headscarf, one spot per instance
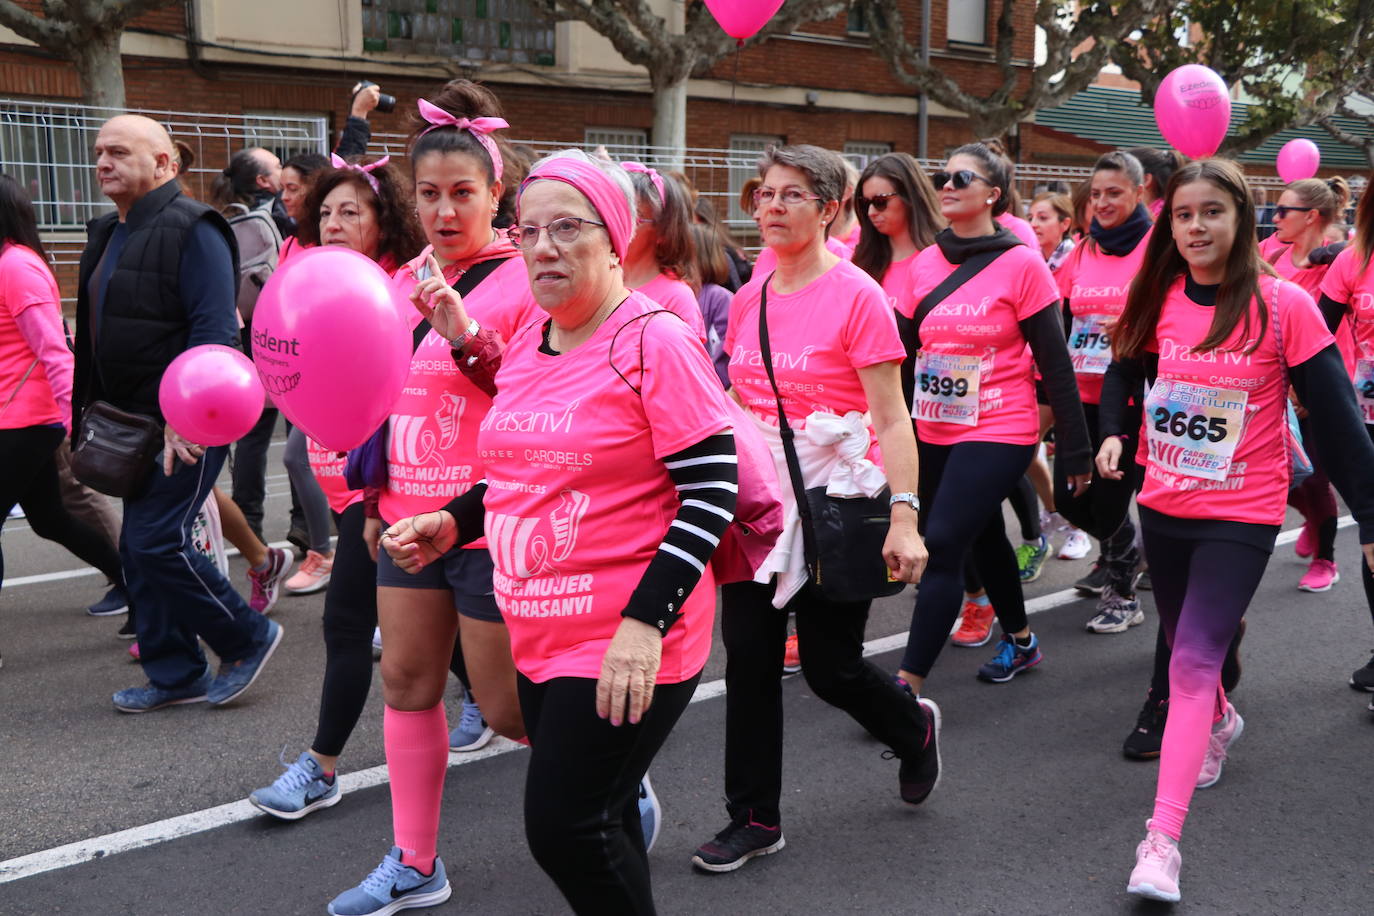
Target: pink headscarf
(653, 174)
(605, 196)
(480, 128)
(365, 170)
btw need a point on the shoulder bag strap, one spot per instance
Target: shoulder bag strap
(965, 272)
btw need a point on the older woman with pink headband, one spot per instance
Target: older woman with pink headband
(602, 503)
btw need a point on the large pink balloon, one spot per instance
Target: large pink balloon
(211, 395)
(742, 18)
(1193, 110)
(331, 344)
(1298, 159)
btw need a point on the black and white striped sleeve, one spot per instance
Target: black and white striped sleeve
(706, 476)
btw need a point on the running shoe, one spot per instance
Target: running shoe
(473, 732)
(975, 628)
(1010, 660)
(1115, 614)
(1223, 736)
(376, 642)
(1157, 863)
(16, 511)
(917, 777)
(650, 818)
(1143, 582)
(313, 576)
(1306, 544)
(301, 789)
(392, 887)
(1030, 558)
(1096, 579)
(114, 602)
(299, 539)
(148, 697)
(236, 677)
(743, 839)
(1144, 741)
(1076, 546)
(1363, 678)
(1321, 575)
(267, 584)
(128, 629)
(791, 656)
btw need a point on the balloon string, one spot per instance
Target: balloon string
(734, 79)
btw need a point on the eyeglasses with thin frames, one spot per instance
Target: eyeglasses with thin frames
(563, 231)
(790, 197)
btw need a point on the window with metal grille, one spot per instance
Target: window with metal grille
(509, 31)
(621, 143)
(862, 152)
(285, 133)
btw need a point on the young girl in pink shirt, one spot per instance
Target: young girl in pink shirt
(1220, 338)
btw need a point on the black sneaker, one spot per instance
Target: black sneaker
(737, 844)
(919, 776)
(126, 629)
(1143, 582)
(1144, 741)
(1096, 580)
(298, 538)
(1363, 678)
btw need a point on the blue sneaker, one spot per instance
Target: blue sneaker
(114, 602)
(236, 677)
(473, 732)
(649, 819)
(147, 698)
(393, 887)
(1030, 558)
(1010, 660)
(298, 791)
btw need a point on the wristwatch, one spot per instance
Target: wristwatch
(463, 339)
(908, 498)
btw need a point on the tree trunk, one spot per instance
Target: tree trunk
(670, 120)
(100, 71)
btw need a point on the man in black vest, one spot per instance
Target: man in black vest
(158, 277)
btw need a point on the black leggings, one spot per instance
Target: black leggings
(582, 790)
(1026, 505)
(1365, 575)
(29, 459)
(350, 615)
(963, 486)
(1104, 510)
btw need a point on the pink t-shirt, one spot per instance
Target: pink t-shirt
(852, 239)
(1310, 279)
(820, 336)
(978, 364)
(1096, 285)
(678, 298)
(328, 467)
(897, 282)
(767, 261)
(432, 449)
(288, 248)
(1203, 404)
(578, 497)
(1270, 246)
(25, 283)
(1349, 282)
(1021, 228)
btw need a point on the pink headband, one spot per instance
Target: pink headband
(365, 170)
(480, 128)
(605, 196)
(653, 174)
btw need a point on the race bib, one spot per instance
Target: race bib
(947, 388)
(1089, 345)
(1364, 388)
(1194, 430)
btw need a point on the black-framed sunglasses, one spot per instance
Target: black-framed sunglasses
(563, 231)
(960, 179)
(1281, 212)
(878, 202)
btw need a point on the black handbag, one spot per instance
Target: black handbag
(116, 451)
(842, 537)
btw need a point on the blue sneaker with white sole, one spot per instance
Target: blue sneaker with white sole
(116, 601)
(473, 732)
(392, 887)
(649, 818)
(236, 677)
(300, 790)
(1010, 660)
(149, 697)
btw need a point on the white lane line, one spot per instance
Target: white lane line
(92, 571)
(233, 812)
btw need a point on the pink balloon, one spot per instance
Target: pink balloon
(331, 344)
(742, 18)
(211, 395)
(1298, 159)
(1193, 110)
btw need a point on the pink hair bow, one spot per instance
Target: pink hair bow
(365, 170)
(653, 174)
(480, 128)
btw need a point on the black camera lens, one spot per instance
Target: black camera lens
(386, 104)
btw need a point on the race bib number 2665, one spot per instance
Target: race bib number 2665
(1194, 430)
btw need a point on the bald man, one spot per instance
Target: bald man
(159, 276)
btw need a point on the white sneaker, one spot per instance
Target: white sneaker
(1076, 546)
(1157, 864)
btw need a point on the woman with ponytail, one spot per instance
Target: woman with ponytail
(662, 252)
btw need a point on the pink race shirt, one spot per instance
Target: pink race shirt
(820, 336)
(1021, 228)
(25, 283)
(1208, 409)
(678, 298)
(1352, 283)
(432, 450)
(1310, 279)
(1096, 285)
(578, 497)
(897, 283)
(767, 261)
(328, 468)
(1270, 246)
(975, 377)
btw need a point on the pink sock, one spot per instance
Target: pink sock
(417, 757)
(1192, 713)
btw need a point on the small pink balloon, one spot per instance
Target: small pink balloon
(1298, 159)
(211, 395)
(1193, 110)
(743, 18)
(332, 345)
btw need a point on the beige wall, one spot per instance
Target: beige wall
(304, 25)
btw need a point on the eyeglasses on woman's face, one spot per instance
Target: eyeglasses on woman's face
(959, 179)
(790, 196)
(563, 231)
(1281, 211)
(878, 202)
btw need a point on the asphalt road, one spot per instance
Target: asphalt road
(1038, 811)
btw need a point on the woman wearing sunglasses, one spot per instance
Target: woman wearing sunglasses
(976, 417)
(898, 216)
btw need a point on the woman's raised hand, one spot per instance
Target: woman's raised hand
(439, 303)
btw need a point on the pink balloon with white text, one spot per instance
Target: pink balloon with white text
(1193, 110)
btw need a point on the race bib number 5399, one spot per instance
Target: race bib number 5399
(947, 388)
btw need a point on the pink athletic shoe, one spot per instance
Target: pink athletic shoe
(1321, 575)
(1223, 736)
(1157, 862)
(1306, 544)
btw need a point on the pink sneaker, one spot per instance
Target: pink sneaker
(1223, 736)
(1321, 575)
(1306, 544)
(1157, 862)
(312, 576)
(267, 584)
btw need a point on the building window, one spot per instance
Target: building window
(744, 158)
(862, 152)
(968, 21)
(507, 31)
(621, 143)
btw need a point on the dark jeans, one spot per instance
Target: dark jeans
(179, 591)
(830, 639)
(582, 791)
(1104, 510)
(28, 457)
(350, 615)
(248, 471)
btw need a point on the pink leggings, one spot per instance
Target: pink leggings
(1202, 588)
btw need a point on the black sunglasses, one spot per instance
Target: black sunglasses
(878, 202)
(1281, 212)
(960, 179)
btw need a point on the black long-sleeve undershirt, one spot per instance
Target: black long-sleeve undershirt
(1045, 334)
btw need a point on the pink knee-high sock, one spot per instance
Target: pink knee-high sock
(417, 757)
(1195, 704)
